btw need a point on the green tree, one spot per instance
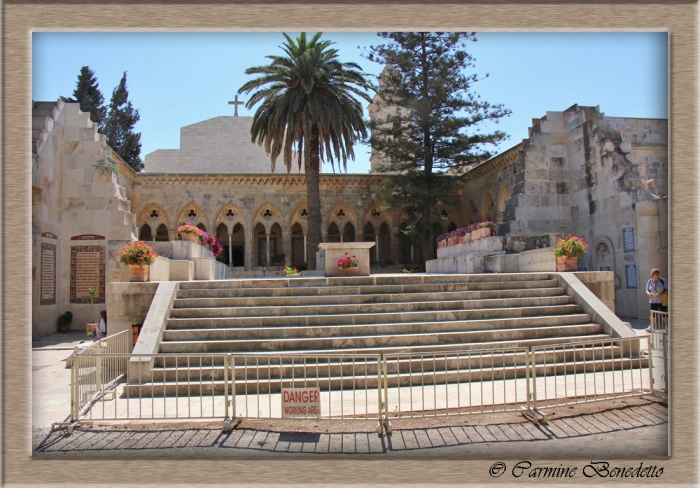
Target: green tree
(87, 93)
(308, 106)
(119, 127)
(425, 125)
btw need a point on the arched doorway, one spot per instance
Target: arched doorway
(471, 213)
(222, 237)
(238, 246)
(145, 233)
(349, 232)
(297, 256)
(202, 227)
(369, 236)
(486, 208)
(384, 243)
(333, 233)
(451, 226)
(162, 233)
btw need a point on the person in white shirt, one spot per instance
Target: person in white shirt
(101, 329)
(657, 289)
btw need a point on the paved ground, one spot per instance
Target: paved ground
(631, 428)
(636, 430)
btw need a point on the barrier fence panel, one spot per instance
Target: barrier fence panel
(455, 382)
(659, 324)
(96, 370)
(348, 386)
(180, 386)
(578, 372)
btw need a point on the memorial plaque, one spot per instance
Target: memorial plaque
(87, 270)
(631, 272)
(48, 274)
(628, 239)
(605, 268)
(88, 237)
(50, 235)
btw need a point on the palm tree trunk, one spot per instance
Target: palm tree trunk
(313, 198)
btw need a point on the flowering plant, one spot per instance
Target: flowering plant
(289, 271)
(348, 262)
(188, 229)
(136, 254)
(216, 247)
(570, 247)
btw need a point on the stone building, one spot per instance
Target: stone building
(579, 172)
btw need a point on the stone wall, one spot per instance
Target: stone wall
(73, 209)
(216, 145)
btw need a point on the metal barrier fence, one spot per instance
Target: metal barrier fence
(97, 369)
(659, 324)
(564, 374)
(356, 387)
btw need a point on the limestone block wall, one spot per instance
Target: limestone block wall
(216, 145)
(71, 201)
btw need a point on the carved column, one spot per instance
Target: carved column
(287, 238)
(306, 251)
(230, 251)
(267, 248)
(248, 233)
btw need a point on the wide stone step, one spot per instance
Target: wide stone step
(218, 358)
(404, 379)
(393, 328)
(189, 290)
(575, 327)
(262, 368)
(288, 301)
(368, 318)
(387, 279)
(368, 308)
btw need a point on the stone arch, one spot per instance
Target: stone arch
(185, 215)
(452, 217)
(487, 208)
(297, 251)
(604, 252)
(502, 197)
(153, 215)
(348, 215)
(376, 215)
(470, 214)
(299, 216)
(268, 215)
(162, 233)
(348, 232)
(333, 233)
(229, 214)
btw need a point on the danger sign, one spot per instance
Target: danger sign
(301, 402)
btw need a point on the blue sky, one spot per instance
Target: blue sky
(177, 79)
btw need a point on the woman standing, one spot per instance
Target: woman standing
(657, 290)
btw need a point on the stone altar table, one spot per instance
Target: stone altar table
(335, 250)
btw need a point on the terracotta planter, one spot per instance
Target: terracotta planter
(462, 239)
(485, 232)
(190, 237)
(442, 244)
(138, 273)
(567, 264)
(349, 271)
(452, 241)
(90, 328)
(63, 329)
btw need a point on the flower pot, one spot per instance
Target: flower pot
(567, 264)
(90, 328)
(461, 239)
(190, 237)
(452, 241)
(442, 244)
(293, 275)
(483, 232)
(63, 329)
(349, 271)
(138, 273)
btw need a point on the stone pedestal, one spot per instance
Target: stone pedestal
(335, 250)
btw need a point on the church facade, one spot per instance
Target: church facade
(579, 172)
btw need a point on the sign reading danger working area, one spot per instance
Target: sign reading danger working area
(301, 402)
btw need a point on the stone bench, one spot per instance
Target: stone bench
(333, 251)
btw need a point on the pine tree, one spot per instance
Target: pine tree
(120, 124)
(87, 93)
(424, 130)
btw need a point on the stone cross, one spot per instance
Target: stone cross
(235, 103)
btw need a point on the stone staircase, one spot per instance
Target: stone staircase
(369, 315)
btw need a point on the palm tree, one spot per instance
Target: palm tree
(308, 108)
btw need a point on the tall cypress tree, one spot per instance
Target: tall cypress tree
(426, 132)
(120, 124)
(87, 93)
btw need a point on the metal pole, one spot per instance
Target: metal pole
(306, 257)
(267, 248)
(230, 251)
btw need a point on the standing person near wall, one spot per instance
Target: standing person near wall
(101, 329)
(657, 290)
